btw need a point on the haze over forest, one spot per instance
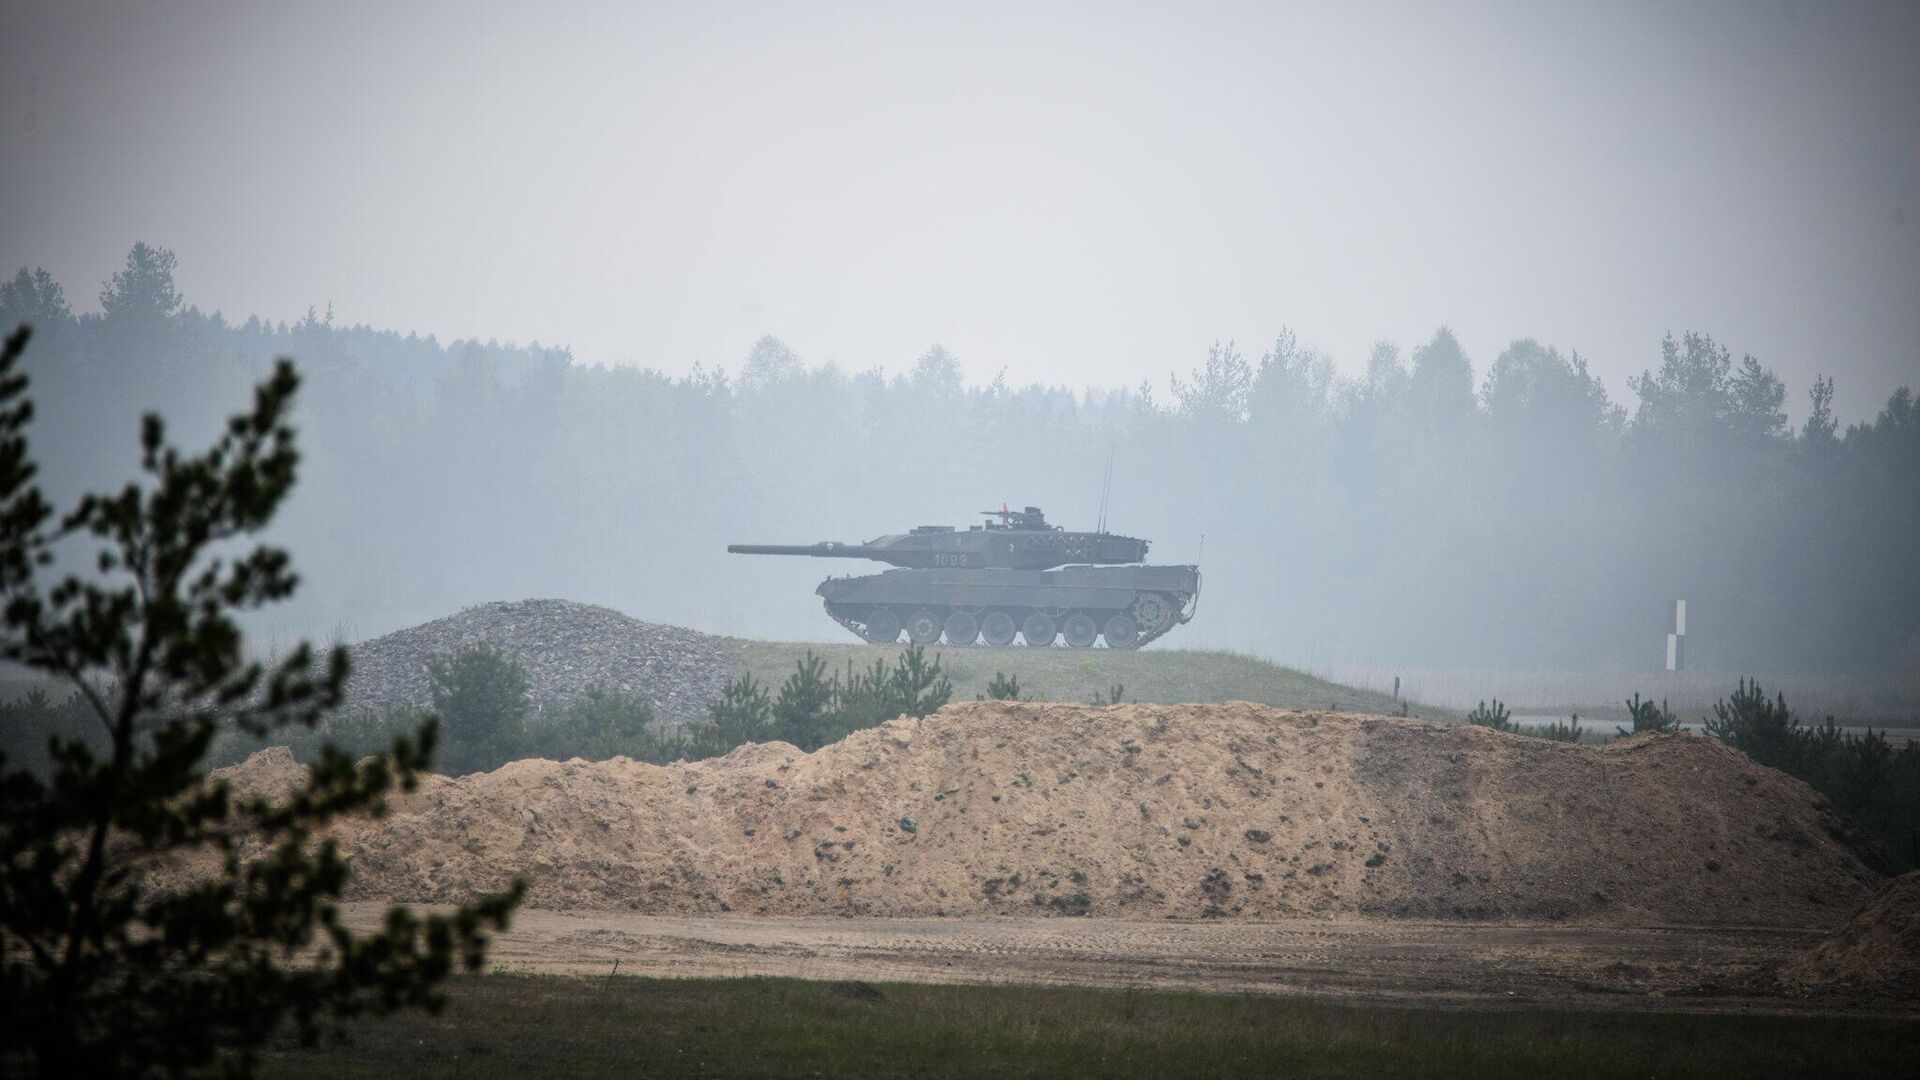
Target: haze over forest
(1464, 336)
(1077, 193)
(1441, 509)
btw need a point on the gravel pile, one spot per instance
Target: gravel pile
(565, 647)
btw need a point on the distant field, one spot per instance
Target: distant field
(521, 1026)
(1886, 700)
(1160, 676)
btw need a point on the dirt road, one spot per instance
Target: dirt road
(1444, 964)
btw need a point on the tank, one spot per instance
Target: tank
(1017, 576)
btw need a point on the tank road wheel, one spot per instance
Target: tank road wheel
(1038, 629)
(998, 629)
(923, 628)
(883, 627)
(1151, 611)
(1122, 632)
(1080, 630)
(962, 628)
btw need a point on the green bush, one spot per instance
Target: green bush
(910, 686)
(1496, 718)
(29, 725)
(803, 713)
(603, 723)
(483, 696)
(363, 731)
(1865, 778)
(814, 709)
(1004, 687)
(1765, 731)
(743, 713)
(1650, 717)
(599, 724)
(480, 694)
(1861, 772)
(1556, 731)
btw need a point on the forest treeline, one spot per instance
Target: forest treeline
(1429, 511)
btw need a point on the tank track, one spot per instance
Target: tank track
(1179, 611)
(1180, 616)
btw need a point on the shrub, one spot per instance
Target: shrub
(599, 724)
(1871, 784)
(1496, 718)
(813, 711)
(910, 686)
(743, 713)
(1860, 773)
(1650, 717)
(480, 693)
(1763, 730)
(30, 724)
(1004, 687)
(1556, 731)
(802, 714)
(364, 731)
(604, 723)
(1076, 904)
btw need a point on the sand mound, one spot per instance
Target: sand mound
(563, 646)
(1877, 950)
(1142, 811)
(271, 773)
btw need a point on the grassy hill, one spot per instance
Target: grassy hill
(1159, 676)
(1163, 676)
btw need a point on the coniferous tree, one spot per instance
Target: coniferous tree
(802, 712)
(743, 713)
(1766, 731)
(142, 292)
(480, 693)
(105, 968)
(34, 298)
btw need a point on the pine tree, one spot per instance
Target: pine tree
(103, 971)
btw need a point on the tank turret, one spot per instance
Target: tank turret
(988, 582)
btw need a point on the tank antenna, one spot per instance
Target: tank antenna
(1106, 489)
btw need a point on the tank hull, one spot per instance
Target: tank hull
(1123, 607)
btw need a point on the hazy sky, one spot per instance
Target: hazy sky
(1080, 194)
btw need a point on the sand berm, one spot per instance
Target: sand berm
(1227, 810)
(1877, 951)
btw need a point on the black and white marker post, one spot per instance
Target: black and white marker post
(1677, 641)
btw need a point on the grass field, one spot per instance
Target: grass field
(1058, 674)
(521, 1026)
(1887, 699)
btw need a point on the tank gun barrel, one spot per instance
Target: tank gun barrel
(830, 549)
(1025, 542)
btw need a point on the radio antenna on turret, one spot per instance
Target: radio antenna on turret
(1106, 489)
